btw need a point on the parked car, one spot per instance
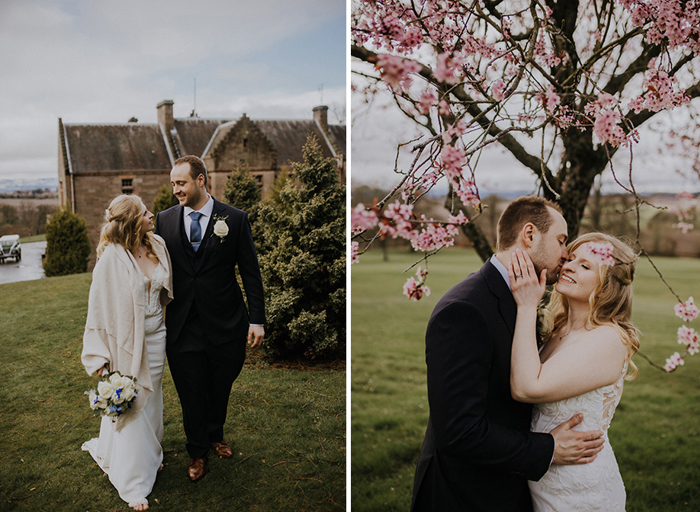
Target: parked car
(10, 247)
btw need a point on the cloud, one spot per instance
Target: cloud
(104, 62)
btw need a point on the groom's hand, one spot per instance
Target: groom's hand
(256, 333)
(573, 447)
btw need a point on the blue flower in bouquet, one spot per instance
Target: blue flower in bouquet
(114, 395)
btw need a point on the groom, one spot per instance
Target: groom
(207, 322)
(478, 451)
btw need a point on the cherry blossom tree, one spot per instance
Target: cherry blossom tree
(561, 85)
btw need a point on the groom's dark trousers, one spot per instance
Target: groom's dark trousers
(478, 451)
(207, 321)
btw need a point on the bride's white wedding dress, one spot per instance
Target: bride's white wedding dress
(131, 457)
(584, 487)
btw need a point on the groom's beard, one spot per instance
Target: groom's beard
(539, 261)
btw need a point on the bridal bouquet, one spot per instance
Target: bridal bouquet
(114, 395)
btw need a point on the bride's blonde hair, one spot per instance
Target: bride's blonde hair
(611, 301)
(123, 225)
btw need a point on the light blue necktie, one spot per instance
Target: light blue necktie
(195, 230)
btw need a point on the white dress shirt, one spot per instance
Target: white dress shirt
(206, 212)
(501, 268)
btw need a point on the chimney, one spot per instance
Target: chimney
(165, 115)
(321, 116)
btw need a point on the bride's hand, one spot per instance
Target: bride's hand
(104, 369)
(526, 286)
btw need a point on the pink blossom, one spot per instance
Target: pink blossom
(660, 93)
(395, 221)
(413, 37)
(603, 250)
(354, 247)
(673, 362)
(687, 311)
(362, 219)
(606, 100)
(415, 290)
(468, 194)
(498, 89)
(395, 70)
(550, 99)
(428, 99)
(393, 26)
(606, 128)
(434, 236)
(684, 227)
(685, 195)
(447, 68)
(444, 108)
(689, 337)
(453, 160)
(675, 22)
(460, 218)
(454, 130)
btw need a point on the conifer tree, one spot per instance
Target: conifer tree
(242, 191)
(303, 264)
(164, 200)
(67, 244)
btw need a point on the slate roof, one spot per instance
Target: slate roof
(132, 146)
(196, 133)
(119, 147)
(288, 138)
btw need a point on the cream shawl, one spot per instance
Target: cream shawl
(114, 331)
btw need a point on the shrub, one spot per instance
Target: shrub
(302, 234)
(67, 244)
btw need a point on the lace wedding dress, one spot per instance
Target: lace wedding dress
(131, 457)
(585, 487)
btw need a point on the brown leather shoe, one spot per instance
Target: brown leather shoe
(222, 449)
(196, 469)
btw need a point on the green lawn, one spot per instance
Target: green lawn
(34, 238)
(654, 432)
(287, 427)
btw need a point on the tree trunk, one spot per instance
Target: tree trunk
(580, 166)
(473, 232)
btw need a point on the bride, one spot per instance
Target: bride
(582, 364)
(125, 332)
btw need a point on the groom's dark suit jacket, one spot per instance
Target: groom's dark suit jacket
(208, 277)
(478, 451)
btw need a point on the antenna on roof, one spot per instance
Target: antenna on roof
(194, 110)
(320, 88)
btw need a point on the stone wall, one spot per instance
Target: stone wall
(94, 192)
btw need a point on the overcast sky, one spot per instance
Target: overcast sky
(97, 61)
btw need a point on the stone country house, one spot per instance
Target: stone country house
(97, 162)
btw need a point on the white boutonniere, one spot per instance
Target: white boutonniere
(220, 227)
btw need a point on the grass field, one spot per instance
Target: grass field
(35, 238)
(287, 427)
(654, 432)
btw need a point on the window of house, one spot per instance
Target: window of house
(127, 186)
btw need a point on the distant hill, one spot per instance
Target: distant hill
(8, 186)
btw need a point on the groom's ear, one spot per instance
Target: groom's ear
(527, 235)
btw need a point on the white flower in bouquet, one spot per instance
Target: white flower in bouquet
(96, 401)
(105, 389)
(128, 391)
(114, 395)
